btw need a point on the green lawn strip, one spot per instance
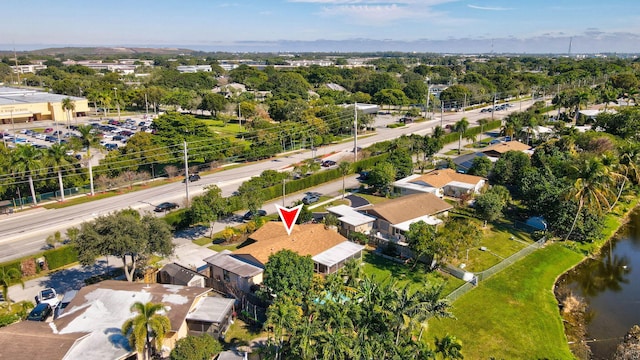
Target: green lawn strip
(220, 247)
(323, 208)
(383, 270)
(241, 333)
(373, 199)
(455, 152)
(514, 314)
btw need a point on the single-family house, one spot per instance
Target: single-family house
(244, 267)
(177, 274)
(350, 220)
(444, 182)
(464, 162)
(497, 150)
(394, 217)
(90, 325)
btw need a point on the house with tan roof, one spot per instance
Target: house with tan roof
(444, 182)
(243, 267)
(90, 326)
(394, 217)
(498, 149)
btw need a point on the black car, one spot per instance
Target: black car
(40, 313)
(166, 206)
(250, 215)
(192, 178)
(328, 163)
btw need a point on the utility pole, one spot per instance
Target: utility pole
(493, 109)
(115, 91)
(426, 111)
(464, 103)
(441, 112)
(146, 104)
(355, 132)
(186, 171)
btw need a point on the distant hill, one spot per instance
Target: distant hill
(88, 51)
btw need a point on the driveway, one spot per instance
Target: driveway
(357, 201)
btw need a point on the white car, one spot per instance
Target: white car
(49, 296)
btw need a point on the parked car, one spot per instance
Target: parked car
(111, 146)
(48, 296)
(66, 299)
(192, 178)
(311, 198)
(250, 215)
(48, 130)
(166, 206)
(41, 312)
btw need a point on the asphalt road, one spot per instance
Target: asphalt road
(24, 233)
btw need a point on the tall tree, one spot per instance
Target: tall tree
(461, 127)
(590, 188)
(56, 157)
(344, 168)
(288, 274)
(27, 160)
(88, 140)
(69, 106)
(148, 325)
(126, 235)
(208, 207)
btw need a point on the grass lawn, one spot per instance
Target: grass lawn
(514, 314)
(384, 270)
(241, 333)
(220, 247)
(323, 208)
(455, 152)
(372, 198)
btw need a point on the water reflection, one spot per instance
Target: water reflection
(610, 289)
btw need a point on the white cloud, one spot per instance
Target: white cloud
(489, 8)
(371, 12)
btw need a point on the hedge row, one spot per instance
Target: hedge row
(454, 136)
(64, 255)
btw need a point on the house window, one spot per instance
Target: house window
(225, 275)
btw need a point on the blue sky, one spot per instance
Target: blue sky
(207, 24)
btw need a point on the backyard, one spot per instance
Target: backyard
(514, 314)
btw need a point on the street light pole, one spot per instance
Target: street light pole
(13, 126)
(115, 91)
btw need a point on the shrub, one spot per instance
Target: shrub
(61, 256)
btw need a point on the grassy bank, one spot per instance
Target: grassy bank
(513, 315)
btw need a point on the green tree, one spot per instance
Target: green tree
(148, 325)
(490, 205)
(449, 347)
(69, 106)
(202, 347)
(208, 207)
(461, 127)
(288, 274)
(590, 188)
(344, 168)
(126, 235)
(480, 166)
(27, 160)
(9, 276)
(213, 103)
(381, 177)
(87, 141)
(56, 157)
(283, 315)
(482, 122)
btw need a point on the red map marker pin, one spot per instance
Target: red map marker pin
(288, 216)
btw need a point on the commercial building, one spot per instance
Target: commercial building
(27, 105)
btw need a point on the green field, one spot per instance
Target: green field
(513, 315)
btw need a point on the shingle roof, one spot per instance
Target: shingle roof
(179, 272)
(307, 239)
(408, 207)
(34, 340)
(503, 147)
(440, 178)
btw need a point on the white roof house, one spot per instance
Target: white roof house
(349, 215)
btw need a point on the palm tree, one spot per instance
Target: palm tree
(482, 123)
(56, 157)
(438, 132)
(7, 277)
(26, 160)
(282, 315)
(88, 140)
(344, 168)
(449, 347)
(68, 106)
(461, 127)
(591, 187)
(146, 325)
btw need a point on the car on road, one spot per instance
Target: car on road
(48, 130)
(166, 206)
(41, 312)
(48, 296)
(328, 163)
(311, 198)
(192, 178)
(250, 215)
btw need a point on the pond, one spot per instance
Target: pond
(610, 284)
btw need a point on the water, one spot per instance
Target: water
(611, 286)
